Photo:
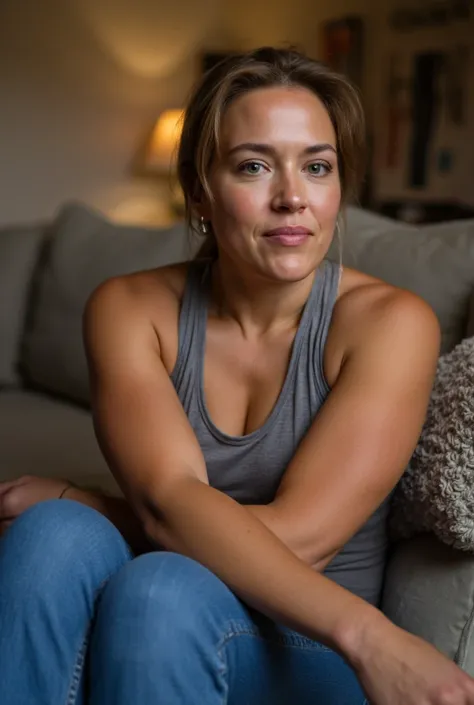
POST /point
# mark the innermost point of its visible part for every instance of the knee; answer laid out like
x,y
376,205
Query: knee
x,y
59,538
169,594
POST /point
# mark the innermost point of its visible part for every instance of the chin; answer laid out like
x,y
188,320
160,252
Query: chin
x,y
291,267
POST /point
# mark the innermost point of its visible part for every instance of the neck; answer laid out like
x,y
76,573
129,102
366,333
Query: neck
x,y
257,304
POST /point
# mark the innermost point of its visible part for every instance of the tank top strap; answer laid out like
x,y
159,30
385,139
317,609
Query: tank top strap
x,y
321,317
192,320
323,293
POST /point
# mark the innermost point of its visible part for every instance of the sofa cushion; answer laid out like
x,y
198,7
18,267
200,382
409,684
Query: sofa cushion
x,y
49,438
434,261
359,226
85,249
19,250
470,318
428,591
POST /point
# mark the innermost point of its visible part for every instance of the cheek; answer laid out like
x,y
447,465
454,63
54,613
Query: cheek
x,y
327,202
238,205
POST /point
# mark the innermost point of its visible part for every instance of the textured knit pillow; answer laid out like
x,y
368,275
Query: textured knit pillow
x,y
436,493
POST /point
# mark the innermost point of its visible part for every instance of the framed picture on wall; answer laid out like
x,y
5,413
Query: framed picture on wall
x,y
343,47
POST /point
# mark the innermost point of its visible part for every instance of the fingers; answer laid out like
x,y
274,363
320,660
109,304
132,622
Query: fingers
x,y
9,504
5,486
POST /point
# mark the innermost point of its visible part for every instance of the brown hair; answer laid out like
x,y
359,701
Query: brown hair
x,y
265,68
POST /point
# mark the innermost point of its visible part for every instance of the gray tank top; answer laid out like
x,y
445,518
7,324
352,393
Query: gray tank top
x,y
249,468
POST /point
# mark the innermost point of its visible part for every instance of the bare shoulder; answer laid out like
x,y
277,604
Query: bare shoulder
x,y
166,283
371,314
367,301
142,306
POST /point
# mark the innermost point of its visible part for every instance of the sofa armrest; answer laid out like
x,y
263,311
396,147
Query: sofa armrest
x,y
429,591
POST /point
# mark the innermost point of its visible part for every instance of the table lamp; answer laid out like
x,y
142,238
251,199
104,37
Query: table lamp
x,y
161,153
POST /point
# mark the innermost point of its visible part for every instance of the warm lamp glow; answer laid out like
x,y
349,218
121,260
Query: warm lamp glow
x,y
161,155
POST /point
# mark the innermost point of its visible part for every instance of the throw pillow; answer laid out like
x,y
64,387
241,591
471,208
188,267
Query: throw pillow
x,y
85,248
436,493
20,249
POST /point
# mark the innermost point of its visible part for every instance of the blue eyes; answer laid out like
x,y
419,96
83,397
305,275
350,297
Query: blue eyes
x,y
319,169
253,168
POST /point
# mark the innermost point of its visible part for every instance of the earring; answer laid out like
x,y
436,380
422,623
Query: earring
x,y
202,226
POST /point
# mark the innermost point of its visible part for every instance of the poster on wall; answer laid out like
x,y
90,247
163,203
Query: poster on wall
x,y
426,109
457,83
343,46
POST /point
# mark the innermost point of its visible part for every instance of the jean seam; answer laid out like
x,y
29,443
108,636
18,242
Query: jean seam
x,y
77,672
223,669
288,641
80,660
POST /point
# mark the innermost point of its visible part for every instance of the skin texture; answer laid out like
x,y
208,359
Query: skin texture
x,y
379,361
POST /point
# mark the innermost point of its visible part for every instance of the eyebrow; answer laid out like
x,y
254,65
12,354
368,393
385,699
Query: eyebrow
x,y
268,149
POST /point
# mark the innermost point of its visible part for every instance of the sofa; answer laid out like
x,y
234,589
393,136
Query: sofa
x,y
47,271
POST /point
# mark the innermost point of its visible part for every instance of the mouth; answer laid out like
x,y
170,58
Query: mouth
x,y
288,236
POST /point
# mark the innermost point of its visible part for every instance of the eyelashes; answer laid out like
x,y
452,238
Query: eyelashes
x,y
255,168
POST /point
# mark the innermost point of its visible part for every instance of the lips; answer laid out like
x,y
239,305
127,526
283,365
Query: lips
x,y
288,236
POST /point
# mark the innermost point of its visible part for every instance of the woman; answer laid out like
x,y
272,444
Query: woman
x,y
257,407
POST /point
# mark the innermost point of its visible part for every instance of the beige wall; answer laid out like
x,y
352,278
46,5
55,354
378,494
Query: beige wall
x,y
82,81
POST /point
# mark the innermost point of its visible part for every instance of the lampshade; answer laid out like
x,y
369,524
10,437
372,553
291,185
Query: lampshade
x,y
161,153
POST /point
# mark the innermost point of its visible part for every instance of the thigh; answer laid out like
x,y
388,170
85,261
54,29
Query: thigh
x,y
269,664
54,561
170,631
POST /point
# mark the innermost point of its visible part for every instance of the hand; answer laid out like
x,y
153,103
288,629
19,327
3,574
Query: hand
x,y
18,495
402,669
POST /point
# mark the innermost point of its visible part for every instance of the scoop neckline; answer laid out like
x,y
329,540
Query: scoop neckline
x,y
290,373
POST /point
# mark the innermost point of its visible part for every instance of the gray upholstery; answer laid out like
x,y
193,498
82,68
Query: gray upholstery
x,y
436,262
19,248
85,249
470,318
40,435
429,591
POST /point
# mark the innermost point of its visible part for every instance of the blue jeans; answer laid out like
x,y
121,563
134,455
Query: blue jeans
x,y
82,621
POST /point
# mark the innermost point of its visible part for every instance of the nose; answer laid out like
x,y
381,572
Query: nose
x,y
290,194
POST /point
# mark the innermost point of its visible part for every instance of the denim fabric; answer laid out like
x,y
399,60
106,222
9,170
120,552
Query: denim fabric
x,y
82,622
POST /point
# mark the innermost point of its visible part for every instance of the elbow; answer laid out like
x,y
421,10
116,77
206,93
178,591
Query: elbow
x,y
309,555
297,536
163,512
301,551
159,534
310,551
153,523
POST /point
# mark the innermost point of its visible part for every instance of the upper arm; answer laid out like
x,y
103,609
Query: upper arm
x,y
140,424
363,437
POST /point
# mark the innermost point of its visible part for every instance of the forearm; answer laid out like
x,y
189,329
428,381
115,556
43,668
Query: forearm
x,y
120,513
211,528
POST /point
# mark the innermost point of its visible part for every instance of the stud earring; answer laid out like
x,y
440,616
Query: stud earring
x,y
202,226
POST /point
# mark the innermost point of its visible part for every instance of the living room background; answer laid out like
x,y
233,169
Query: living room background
x,y
83,81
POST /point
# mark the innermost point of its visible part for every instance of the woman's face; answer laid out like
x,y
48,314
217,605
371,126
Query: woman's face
x,y
275,183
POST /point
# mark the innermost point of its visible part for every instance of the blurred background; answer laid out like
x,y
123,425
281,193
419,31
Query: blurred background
x,y
84,83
